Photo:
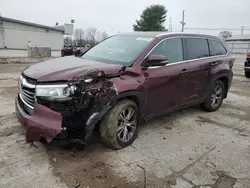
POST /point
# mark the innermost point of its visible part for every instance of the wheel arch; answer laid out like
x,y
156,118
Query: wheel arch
x,y
225,81
134,96
222,77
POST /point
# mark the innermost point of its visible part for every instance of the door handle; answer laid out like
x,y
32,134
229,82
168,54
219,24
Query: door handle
x,y
214,63
183,71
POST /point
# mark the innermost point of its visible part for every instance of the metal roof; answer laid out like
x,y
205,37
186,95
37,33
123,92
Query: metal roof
x,y
239,38
31,24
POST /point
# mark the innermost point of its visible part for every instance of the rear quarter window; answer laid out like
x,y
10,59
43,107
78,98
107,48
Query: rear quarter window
x,y
216,48
196,48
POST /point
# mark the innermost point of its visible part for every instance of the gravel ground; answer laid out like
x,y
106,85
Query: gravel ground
x,y
185,149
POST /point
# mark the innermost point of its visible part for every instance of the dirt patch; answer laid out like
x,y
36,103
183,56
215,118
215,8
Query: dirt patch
x,y
9,92
224,181
11,130
86,167
208,120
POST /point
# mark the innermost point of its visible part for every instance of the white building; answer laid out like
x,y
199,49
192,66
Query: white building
x,y
16,34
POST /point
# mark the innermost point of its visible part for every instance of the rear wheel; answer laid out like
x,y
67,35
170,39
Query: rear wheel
x,y
247,74
119,128
215,97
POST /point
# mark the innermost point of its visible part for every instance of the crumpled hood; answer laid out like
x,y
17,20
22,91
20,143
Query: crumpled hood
x,y
64,69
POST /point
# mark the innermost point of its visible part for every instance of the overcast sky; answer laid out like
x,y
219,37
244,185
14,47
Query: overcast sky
x,y
117,15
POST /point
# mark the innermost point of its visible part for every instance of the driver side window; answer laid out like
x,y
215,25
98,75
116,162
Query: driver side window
x,y
171,49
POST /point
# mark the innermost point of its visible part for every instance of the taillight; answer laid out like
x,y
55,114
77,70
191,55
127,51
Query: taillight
x,y
233,59
248,55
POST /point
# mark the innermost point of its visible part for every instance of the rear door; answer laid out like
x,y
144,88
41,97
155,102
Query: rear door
x,y
216,51
197,55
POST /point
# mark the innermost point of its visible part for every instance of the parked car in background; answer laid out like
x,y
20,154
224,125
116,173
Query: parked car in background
x,y
247,66
77,51
120,81
67,50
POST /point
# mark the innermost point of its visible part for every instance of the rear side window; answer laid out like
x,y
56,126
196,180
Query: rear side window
x,y
196,48
216,48
170,48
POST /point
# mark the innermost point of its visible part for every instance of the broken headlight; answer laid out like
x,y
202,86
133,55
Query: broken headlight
x,y
55,91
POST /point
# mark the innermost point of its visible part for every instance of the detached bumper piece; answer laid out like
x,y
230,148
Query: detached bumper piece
x,y
43,123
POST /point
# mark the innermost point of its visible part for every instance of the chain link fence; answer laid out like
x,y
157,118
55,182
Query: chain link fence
x,y
239,47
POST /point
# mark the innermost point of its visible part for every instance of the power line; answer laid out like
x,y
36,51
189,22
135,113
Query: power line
x,y
215,29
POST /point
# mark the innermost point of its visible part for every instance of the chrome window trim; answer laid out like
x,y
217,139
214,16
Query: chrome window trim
x,y
225,47
185,61
155,47
207,38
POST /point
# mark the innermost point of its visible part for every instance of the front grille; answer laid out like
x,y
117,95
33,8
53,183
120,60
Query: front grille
x,y
27,92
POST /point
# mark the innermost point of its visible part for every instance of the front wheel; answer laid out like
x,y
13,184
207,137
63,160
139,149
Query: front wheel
x,y
247,74
119,128
215,97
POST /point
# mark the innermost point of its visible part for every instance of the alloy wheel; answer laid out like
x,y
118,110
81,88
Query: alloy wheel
x,y
216,96
127,124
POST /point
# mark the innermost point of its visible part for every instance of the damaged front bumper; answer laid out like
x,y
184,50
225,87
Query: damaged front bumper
x,y
71,118
45,123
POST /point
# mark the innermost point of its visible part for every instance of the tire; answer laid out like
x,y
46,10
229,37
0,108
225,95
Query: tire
x,y
208,105
114,121
247,74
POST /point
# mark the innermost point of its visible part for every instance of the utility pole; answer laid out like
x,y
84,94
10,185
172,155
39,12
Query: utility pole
x,y
170,25
183,21
242,30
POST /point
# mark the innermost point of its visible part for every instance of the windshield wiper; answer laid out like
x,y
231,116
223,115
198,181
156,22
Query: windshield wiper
x,y
120,72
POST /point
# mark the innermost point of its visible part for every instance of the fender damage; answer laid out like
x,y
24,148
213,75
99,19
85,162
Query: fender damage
x,y
74,119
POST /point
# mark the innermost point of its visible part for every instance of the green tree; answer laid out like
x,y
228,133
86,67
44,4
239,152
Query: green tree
x,y
152,19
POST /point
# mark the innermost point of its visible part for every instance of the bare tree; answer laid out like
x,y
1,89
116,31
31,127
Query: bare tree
x,y
100,36
79,35
225,34
104,35
67,40
91,34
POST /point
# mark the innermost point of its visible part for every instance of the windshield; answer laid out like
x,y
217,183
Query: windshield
x,y
119,49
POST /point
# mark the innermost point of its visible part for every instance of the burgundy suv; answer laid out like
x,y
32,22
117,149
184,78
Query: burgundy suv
x,y
122,80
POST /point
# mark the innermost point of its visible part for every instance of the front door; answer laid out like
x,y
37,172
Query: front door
x,y
165,85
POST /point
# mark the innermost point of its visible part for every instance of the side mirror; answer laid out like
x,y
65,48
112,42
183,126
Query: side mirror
x,y
155,60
